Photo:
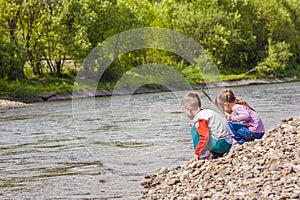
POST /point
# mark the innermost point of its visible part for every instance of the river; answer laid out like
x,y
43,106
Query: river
x,y
102,148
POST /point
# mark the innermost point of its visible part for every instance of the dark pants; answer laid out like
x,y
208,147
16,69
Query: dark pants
x,y
242,133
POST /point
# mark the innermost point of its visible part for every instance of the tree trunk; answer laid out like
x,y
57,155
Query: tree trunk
x,y
58,64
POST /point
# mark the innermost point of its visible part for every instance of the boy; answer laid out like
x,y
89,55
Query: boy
x,y
209,129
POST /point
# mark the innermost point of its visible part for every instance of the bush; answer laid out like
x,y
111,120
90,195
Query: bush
x,y
277,61
19,89
12,60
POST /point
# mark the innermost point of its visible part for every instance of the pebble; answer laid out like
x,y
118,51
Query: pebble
x,y
173,181
263,169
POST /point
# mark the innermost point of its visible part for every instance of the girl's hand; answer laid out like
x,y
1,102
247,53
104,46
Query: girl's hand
x,y
228,117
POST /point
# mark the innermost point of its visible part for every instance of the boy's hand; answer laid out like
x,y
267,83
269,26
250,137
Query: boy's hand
x,y
191,123
196,158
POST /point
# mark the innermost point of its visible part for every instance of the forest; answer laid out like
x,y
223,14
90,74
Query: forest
x,y
44,42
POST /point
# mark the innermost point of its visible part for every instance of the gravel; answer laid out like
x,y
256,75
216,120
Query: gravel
x,y
263,169
7,104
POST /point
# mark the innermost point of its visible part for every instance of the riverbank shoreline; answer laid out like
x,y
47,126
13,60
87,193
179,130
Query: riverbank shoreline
x,y
8,103
268,168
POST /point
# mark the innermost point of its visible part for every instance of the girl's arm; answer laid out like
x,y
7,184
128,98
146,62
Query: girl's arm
x,y
240,113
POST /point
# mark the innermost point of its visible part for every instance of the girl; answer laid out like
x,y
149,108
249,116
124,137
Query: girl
x,y
244,122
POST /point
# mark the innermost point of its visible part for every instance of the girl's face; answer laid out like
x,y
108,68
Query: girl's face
x,y
228,107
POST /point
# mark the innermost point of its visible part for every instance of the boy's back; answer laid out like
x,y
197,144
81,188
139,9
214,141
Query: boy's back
x,y
218,127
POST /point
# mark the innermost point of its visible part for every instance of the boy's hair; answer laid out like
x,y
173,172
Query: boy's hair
x,y
192,100
227,95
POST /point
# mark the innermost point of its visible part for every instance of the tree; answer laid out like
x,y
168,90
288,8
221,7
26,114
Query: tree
x,y
12,60
216,29
12,56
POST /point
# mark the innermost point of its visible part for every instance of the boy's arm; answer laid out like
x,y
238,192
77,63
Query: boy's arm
x,y
204,136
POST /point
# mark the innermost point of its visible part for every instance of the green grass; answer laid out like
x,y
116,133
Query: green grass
x,y
234,77
29,89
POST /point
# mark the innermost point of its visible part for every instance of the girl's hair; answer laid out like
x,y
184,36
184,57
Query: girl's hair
x,y
227,95
192,100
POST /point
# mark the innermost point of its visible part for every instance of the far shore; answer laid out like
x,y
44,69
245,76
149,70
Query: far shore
x,y
8,103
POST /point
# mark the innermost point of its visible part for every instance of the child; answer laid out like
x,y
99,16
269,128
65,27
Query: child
x,y
209,130
244,122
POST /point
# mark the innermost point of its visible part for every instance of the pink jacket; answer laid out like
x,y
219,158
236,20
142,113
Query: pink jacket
x,y
250,118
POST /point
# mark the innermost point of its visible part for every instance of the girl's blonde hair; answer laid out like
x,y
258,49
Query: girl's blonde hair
x,y
191,100
227,95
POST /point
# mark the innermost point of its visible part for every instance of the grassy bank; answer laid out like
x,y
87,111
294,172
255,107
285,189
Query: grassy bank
x,y
30,89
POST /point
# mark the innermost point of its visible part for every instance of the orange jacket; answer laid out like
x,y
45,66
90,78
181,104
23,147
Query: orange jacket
x,y
203,131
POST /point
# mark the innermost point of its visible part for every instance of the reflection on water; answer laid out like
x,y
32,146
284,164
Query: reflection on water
x,y
103,148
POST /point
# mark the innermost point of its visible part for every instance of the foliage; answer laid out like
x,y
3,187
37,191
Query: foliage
x,y
277,61
12,60
240,36
30,89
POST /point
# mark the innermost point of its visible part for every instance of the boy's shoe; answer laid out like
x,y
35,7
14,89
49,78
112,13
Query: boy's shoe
x,y
207,155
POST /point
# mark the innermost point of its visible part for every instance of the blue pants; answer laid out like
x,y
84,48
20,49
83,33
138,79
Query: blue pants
x,y
214,145
242,133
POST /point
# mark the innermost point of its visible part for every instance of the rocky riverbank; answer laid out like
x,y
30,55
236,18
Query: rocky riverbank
x,y
264,169
7,104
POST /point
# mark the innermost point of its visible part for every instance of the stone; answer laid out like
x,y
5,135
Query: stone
x,y
145,184
195,173
163,170
173,181
155,182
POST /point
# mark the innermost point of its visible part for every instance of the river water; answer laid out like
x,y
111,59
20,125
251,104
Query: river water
x,y
102,148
